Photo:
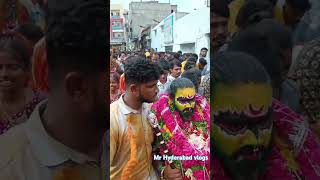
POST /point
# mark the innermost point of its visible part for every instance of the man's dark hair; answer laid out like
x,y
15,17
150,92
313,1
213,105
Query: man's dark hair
x,y
115,76
175,62
176,55
253,11
31,31
260,46
139,70
179,83
189,65
179,52
203,61
192,59
16,49
77,37
280,34
220,8
302,5
237,67
204,49
123,52
164,65
193,75
195,56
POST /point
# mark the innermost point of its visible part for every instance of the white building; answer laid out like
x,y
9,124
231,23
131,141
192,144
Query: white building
x,y
189,33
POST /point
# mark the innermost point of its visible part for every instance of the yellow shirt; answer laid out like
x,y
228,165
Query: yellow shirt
x,y
234,9
120,143
182,65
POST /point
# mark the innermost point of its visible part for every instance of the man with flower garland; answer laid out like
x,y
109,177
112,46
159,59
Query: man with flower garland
x,y
255,137
181,124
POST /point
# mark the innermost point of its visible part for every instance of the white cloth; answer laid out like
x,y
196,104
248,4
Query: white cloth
x,y
163,88
171,78
29,152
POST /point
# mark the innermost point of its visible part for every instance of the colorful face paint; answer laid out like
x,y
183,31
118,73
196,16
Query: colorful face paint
x,y
242,125
184,101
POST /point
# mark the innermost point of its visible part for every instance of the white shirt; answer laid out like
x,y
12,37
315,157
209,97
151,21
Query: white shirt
x,y
163,88
28,152
170,78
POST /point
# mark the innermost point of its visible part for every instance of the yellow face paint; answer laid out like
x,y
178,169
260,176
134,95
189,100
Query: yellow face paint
x,y
252,101
229,144
184,98
238,97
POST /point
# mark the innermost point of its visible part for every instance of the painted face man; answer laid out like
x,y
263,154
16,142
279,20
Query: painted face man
x,y
183,93
242,126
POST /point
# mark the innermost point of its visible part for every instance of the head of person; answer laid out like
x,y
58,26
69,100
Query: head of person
x,y
77,69
14,65
179,52
189,64
194,56
194,75
155,57
281,36
183,93
253,11
123,56
257,44
219,24
242,124
202,63
176,55
294,10
203,52
175,68
164,70
114,81
141,78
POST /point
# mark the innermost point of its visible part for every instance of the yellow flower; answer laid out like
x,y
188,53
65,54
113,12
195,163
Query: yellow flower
x,y
167,130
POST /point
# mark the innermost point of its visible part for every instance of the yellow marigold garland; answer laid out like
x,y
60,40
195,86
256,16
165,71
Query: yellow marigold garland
x,y
133,161
287,154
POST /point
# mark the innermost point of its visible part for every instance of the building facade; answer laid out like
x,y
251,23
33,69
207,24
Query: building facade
x,y
142,16
188,33
117,27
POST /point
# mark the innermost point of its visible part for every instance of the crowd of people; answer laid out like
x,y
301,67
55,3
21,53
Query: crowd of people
x,y
159,106
265,90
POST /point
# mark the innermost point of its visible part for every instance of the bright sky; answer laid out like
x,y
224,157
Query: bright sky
x,y
183,5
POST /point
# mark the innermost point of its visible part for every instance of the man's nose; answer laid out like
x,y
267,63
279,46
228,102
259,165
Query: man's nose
x,y
3,71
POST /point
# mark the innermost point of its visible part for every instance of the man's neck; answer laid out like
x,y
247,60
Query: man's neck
x,y
62,126
132,102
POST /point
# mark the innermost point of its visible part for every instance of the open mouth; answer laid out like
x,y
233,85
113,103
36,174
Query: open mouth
x,y
187,110
6,84
249,153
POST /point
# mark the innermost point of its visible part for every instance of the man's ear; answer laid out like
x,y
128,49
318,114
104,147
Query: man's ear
x,y
76,86
134,89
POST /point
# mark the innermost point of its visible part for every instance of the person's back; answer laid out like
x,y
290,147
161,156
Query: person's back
x,y
40,149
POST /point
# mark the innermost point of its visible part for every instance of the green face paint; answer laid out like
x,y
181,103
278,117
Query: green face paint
x,y
184,102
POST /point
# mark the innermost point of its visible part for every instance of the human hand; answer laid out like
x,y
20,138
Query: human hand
x,y
172,174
